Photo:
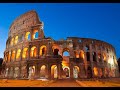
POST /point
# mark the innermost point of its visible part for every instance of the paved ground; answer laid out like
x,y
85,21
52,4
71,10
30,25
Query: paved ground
x,y
64,83
60,83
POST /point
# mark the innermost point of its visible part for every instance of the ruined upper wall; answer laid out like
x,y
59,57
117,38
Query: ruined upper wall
x,y
24,21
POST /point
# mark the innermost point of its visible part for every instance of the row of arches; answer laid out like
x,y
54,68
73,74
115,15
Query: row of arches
x,y
65,73
27,36
33,53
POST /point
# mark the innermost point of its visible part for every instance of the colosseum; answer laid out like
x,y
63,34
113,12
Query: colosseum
x,y
29,53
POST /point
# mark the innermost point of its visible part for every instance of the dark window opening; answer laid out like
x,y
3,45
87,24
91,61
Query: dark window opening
x,y
56,51
43,51
89,72
94,56
88,56
87,48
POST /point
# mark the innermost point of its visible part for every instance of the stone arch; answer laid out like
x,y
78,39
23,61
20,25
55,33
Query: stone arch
x,y
43,50
18,53
99,57
77,54
33,52
56,51
16,72
54,72
55,46
16,40
95,69
43,71
87,48
13,55
31,72
82,55
89,72
88,56
104,57
25,53
94,56
66,72
76,71
66,51
27,36
12,41
9,55
35,34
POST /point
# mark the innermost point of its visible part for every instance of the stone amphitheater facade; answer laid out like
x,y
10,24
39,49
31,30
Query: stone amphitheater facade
x,y
29,53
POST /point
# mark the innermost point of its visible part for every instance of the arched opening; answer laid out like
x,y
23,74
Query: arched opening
x,y
21,38
11,73
6,72
43,71
31,72
104,57
33,52
35,34
106,71
18,54
101,73
66,72
77,54
16,73
87,48
43,50
25,53
54,73
13,55
89,72
12,42
82,55
88,56
95,71
76,71
27,36
9,54
66,53
16,39
99,57
94,56
56,51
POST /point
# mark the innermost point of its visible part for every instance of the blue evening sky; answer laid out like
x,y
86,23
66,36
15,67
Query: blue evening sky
x,y
89,20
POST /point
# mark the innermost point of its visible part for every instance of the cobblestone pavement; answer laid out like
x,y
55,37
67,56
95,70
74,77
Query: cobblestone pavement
x,y
64,83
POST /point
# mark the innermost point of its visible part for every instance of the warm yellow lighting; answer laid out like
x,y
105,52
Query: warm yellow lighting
x,y
77,55
9,56
104,57
13,55
33,52
18,53
42,71
26,35
64,63
34,32
110,61
12,41
95,71
43,67
99,55
16,39
42,50
77,68
54,71
25,52
82,54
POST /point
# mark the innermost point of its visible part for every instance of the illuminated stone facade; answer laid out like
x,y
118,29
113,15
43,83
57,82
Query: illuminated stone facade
x,y
30,54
